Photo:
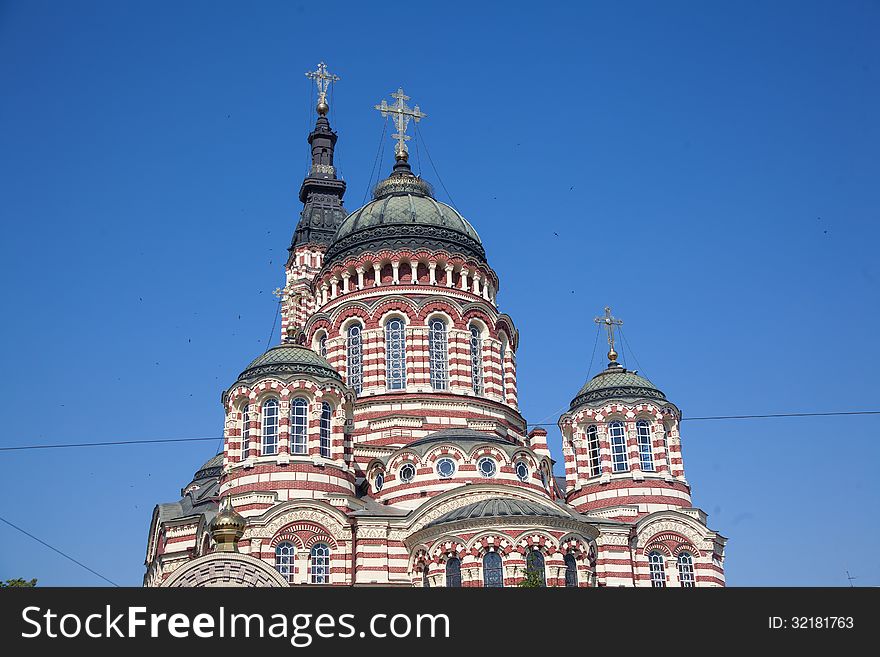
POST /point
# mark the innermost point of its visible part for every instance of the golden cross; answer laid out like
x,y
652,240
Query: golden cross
x,y
609,323
401,113
322,78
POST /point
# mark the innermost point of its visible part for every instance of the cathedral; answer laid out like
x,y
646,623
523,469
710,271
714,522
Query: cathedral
x,y
381,443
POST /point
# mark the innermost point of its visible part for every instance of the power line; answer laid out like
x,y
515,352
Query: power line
x,y
754,417
437,173
66,556
111,442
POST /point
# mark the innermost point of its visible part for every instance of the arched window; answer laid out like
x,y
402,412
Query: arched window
x,y
535,564
322,345
476,360
618,447
284,560
246,430
325,430
379,481
658,573
571,570
355,367
503,355
686,569
395,354
426,583
493,573
270,427
646,450
438,348
299,423
593,454
453,573
319,564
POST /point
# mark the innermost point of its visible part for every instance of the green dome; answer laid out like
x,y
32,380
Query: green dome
x,y
616,382
404,215
499,507
288,359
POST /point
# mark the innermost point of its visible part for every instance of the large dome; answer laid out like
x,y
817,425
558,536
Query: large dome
x,y
404,214
616,382
286,359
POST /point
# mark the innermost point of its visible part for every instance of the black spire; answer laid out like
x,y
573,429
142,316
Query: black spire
x,y
321,191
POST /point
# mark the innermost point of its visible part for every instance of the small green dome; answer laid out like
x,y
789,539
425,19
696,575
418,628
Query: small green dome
x,y
499,507
616,382
288,359
404,215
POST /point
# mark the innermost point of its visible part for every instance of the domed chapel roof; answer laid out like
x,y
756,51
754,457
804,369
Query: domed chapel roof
x,y
616,382
286,359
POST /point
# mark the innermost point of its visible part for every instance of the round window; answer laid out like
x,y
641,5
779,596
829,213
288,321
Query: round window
x,y
486,466
407,472
522,471
380,481
446,467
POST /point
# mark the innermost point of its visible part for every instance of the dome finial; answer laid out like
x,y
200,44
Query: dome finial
x,y
609,323
227,527
401,114
322,78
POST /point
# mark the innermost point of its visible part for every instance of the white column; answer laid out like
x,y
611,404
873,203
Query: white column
x,y
334,287
345,276
414,272
432,272
360,273
449,269
377,275
464,276
477,283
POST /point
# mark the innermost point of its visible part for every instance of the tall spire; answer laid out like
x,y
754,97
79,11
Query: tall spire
x,y
321,191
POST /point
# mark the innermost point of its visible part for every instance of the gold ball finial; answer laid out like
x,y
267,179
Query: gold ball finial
x,y
227,527
323,108
402,155
612,355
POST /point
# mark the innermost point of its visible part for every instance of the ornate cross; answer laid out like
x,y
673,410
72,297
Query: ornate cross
x,y
401,113
609,323
322,78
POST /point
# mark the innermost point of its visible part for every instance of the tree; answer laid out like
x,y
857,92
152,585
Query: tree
x,y
532,579
18,582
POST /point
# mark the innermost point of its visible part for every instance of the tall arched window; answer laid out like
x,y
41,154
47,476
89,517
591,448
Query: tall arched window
x,y
355,367
299,423
666,445
395,354
453,573
493,573
426,583
270,427
658,573
284,560
646,450
503,356
686,569
326,413
535,564
571,570
319,564
246,430
322,345
618,447
593,454
476,360
438,348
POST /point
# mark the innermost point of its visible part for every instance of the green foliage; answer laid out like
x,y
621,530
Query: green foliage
x,y
532,580
18,582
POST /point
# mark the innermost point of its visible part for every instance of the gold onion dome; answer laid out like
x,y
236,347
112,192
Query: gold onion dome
x,y
227,527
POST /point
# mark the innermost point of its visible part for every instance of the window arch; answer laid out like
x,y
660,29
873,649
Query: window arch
x,y
571,570
322,345
246,430
658,572
453,573
535,564
284,560
686,569
395,354
270,427
355,352
324,446
646,450
438,349
618,447
319,564
299,423
426,583
493,571
476,360
593,453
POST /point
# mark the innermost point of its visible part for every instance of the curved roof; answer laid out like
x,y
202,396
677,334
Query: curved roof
x,y
499,507
286,359
404,214
616,382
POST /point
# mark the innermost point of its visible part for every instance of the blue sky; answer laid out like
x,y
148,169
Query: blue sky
x,y
707,169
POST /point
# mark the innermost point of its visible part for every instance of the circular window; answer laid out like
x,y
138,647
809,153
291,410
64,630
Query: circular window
x,y
522,471
486,466
407,472
380,481
446,467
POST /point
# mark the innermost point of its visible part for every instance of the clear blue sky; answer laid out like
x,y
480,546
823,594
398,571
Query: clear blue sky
x,y
708,169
